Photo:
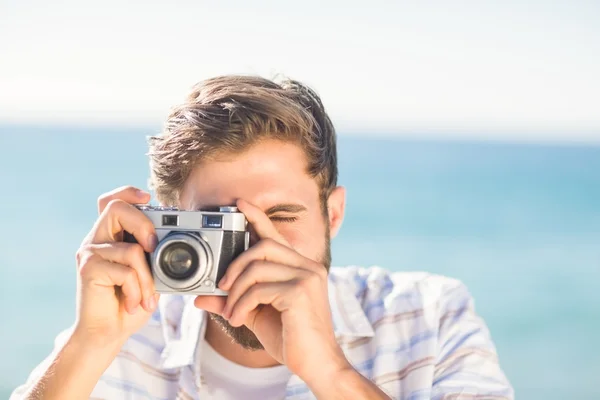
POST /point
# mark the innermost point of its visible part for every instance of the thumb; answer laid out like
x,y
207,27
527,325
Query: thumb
x,y
212,304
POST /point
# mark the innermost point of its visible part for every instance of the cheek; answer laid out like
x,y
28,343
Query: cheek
x,y
304,237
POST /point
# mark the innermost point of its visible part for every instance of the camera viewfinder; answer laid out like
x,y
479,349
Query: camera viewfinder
x,y
212,221
170,220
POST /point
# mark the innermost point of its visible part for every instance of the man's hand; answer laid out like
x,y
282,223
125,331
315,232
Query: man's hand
x,y
113,281
294,322
113,277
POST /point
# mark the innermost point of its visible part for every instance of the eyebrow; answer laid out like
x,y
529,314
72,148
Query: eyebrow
x,y
287,208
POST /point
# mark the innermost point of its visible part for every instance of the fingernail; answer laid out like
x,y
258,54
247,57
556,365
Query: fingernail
x,y
152,242
141,194
222,282
134,309
151,302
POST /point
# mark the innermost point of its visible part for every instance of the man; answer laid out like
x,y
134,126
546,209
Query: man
x,y
290,327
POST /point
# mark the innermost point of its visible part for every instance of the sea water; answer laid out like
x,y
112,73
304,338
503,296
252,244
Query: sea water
x,y
518,223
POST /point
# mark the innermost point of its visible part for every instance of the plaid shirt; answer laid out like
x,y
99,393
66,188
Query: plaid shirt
x,y
415,335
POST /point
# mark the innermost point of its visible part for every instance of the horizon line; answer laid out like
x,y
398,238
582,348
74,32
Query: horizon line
x,y
579,137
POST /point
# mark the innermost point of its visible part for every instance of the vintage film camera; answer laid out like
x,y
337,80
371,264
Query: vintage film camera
x,y
194,247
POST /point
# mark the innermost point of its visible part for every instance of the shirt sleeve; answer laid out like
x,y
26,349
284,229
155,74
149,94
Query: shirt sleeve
x,y
467,366
21,391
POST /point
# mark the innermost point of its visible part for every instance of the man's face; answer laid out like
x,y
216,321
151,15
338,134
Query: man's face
x,y
272,176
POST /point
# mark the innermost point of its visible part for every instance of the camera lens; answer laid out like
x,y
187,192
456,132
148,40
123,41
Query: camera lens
x,y
179,260
182,261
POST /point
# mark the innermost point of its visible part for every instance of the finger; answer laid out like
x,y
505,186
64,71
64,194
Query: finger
x,y
266,250
109,274
213,304
128,194
261,293
131,255
120,216
261,223
259,272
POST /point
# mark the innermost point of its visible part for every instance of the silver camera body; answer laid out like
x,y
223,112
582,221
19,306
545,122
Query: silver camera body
x,y
194,247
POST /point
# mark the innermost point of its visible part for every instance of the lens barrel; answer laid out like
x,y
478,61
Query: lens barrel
x,y
179,260
182,261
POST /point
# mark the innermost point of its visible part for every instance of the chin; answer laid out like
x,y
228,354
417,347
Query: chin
x,y
240,335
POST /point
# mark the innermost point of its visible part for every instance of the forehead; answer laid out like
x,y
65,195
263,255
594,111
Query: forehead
x,y
268,173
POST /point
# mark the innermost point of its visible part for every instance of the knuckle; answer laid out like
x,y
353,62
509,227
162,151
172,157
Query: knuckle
x,y
272,242
126,188
266,243
103,200
143,223
147,225
134,252
113,205
314,277
309,282
130,276
321,272
301,290
79,255
131,291
263,243
83,254
86,268
253,267
107,197
254,293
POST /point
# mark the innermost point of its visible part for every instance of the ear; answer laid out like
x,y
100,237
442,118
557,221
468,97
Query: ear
x,y
336,204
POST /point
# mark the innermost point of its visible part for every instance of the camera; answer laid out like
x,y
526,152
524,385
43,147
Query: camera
x,y
194,247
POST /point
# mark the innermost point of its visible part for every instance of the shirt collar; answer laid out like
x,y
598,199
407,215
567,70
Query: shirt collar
x,y
183,324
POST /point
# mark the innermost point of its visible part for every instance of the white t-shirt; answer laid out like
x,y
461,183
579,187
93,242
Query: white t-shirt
x,y
226,380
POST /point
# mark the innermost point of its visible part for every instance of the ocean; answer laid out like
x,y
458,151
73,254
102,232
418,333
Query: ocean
x,y
518,223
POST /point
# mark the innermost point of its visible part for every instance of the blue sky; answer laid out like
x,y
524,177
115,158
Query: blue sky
x,y
527,70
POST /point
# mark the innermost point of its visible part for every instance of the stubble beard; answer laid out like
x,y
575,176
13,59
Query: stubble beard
x,y
244,336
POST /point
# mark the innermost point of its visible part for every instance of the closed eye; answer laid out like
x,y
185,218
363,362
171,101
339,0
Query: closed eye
x,y
283,219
